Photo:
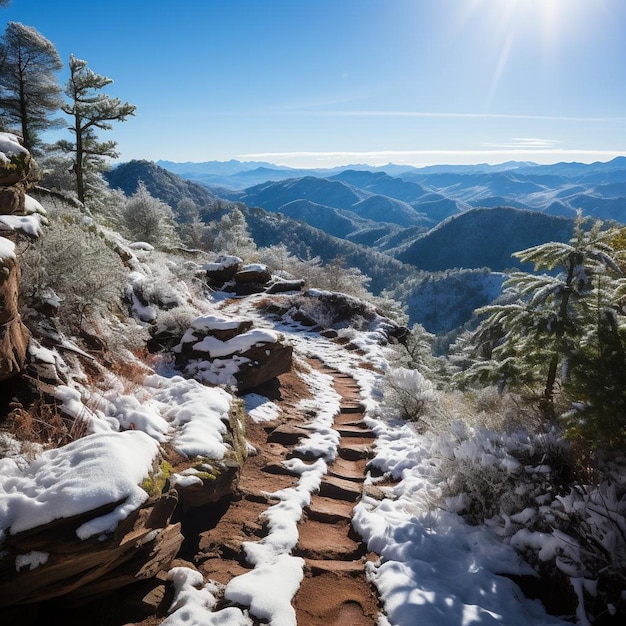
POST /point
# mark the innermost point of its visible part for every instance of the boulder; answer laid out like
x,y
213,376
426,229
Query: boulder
x,y
14,336
222,270
217,350
245,289
265,363
333,310
280,285
255,273
221,328
15,220
85,569
15,167
208,487
101,542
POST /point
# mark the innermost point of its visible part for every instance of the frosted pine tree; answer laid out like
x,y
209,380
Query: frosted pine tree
x,y
29,91
90,111
529,341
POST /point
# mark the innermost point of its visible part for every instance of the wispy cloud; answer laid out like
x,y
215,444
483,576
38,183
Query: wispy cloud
x,y
525,143
423,157
449,115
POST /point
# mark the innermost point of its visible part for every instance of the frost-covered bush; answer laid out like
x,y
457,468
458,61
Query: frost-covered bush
x,y
176,320
524,487
72,267
281,262
146,218
488,473
581,536
166,280
406,392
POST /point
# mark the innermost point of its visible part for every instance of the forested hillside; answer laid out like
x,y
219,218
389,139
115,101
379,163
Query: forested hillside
x,y
484,238
383,271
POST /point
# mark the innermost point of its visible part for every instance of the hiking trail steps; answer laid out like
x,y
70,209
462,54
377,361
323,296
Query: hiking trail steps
x,y
334,590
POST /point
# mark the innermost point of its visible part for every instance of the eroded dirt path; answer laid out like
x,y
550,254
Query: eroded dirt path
x,y
335,589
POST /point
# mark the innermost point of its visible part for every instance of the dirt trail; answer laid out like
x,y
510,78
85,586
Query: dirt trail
x,y
334,590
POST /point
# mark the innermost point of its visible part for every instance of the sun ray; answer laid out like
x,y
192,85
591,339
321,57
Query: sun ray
x,y
510,27
503,59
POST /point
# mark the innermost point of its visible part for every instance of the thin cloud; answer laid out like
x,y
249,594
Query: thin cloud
x,y
432,114
419,153
523,143
419,158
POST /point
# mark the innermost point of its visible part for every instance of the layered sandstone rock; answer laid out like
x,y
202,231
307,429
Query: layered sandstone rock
x,y
20,216
219,350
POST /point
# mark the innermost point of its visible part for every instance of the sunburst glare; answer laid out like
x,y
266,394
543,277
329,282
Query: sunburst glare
x,y
522,27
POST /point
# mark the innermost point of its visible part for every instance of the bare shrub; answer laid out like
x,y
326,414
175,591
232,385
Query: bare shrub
x,y
406,392
73,262
483,408
502,473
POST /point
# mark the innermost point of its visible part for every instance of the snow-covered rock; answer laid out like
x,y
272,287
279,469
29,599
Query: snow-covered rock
x,y
19,217
218,350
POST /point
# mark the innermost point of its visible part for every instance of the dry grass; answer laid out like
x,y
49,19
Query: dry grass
x,y
486,408
43,422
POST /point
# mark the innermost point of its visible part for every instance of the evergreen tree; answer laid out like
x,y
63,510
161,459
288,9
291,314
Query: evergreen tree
x,y
232,235
146,218
29,91
532,340
90,111
596,384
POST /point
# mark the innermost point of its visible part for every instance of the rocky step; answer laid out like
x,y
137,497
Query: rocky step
x,y
329,510
351,603
319,566
358,465
337,542
287,434
256,492
339,489
222,570
354,476
350,419
279,469
351,430
354,451
352,407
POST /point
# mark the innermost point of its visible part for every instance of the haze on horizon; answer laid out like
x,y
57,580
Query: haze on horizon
x,y
325,83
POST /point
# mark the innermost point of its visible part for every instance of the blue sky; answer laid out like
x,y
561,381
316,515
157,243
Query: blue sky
x,y
326,82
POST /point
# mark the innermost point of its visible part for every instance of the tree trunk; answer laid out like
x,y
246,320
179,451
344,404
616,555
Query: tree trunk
x,y
575,259
78,165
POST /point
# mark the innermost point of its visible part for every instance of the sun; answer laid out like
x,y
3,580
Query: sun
x,y
524,27
550,18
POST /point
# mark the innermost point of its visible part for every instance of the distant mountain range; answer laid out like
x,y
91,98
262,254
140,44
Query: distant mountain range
x,y
408,196
241,174
399,228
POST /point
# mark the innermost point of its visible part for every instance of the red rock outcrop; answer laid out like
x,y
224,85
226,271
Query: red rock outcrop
x,y
217,350
15,178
